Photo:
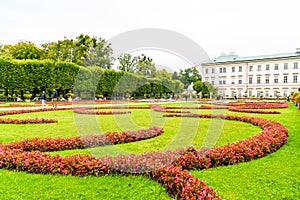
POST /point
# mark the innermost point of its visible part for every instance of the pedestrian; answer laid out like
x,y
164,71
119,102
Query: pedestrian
x,y
43,98
54,98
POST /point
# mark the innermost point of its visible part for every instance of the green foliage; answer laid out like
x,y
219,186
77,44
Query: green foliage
x,y
145,66
27,95
190,75
205,88
127,62
85,50
37,75
141,65
22,51
163,73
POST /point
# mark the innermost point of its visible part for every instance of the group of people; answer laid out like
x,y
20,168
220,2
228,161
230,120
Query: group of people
x,y
54,98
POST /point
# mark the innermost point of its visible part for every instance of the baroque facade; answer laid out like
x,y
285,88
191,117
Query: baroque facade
x,y
266,76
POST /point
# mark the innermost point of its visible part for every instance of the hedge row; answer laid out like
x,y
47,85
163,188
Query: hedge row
x,y
36,75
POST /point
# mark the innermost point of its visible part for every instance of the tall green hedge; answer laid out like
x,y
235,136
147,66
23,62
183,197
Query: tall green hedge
x,y
20,76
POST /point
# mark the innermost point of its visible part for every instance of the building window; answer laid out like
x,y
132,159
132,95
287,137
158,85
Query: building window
x,y
286,66
285,78
212,82
258,67
250,93
276,67
257,93
267,79
275,93
206,71
250,80
221,70
233,69
224,81
240,68
232,81
224,70
258,79
239,93
266,93
276,79
232,93
213,70
268,67
250,68
295,65
240,81
295,77
220,82
285,93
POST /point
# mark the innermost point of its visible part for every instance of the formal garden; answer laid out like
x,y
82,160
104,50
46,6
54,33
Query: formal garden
x,y
140,150
135,132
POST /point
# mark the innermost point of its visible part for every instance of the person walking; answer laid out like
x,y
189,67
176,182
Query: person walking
x,y
54,98
43,98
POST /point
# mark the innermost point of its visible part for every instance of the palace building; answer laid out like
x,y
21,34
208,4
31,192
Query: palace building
x,y
274,75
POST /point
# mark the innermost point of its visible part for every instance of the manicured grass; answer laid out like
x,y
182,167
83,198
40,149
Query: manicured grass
x,y
276,176
273,177
20,185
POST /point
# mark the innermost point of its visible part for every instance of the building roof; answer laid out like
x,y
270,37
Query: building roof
x,y
235,58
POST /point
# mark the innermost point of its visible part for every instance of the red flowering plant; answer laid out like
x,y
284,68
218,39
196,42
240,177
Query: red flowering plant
x,y
28,120
80,142
168,168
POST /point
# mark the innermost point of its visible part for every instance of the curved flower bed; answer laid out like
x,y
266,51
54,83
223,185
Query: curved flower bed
x,y
122,107
81,142
252,107
160,108
273,136
234,109
265,105
167,109
59,103
21,105
88,111
16,112
28,120
173,174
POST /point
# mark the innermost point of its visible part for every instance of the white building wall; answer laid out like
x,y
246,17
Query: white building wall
x,y
236,82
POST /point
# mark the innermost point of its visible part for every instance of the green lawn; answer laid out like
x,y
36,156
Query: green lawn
x,y
276,176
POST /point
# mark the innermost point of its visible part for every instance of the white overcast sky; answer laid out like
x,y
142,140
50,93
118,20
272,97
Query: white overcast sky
x,y
247,28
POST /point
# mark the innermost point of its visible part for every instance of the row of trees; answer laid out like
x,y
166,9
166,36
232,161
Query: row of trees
x,y
89,51
84,50
18,77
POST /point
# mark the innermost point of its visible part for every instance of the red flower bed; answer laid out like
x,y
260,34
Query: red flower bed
x,y
180,184
115,101
87,111
167,109
273,136
253,111
168,168
266,105
60,103
15,112
27,121
172,109
21,105
80,142
213,107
